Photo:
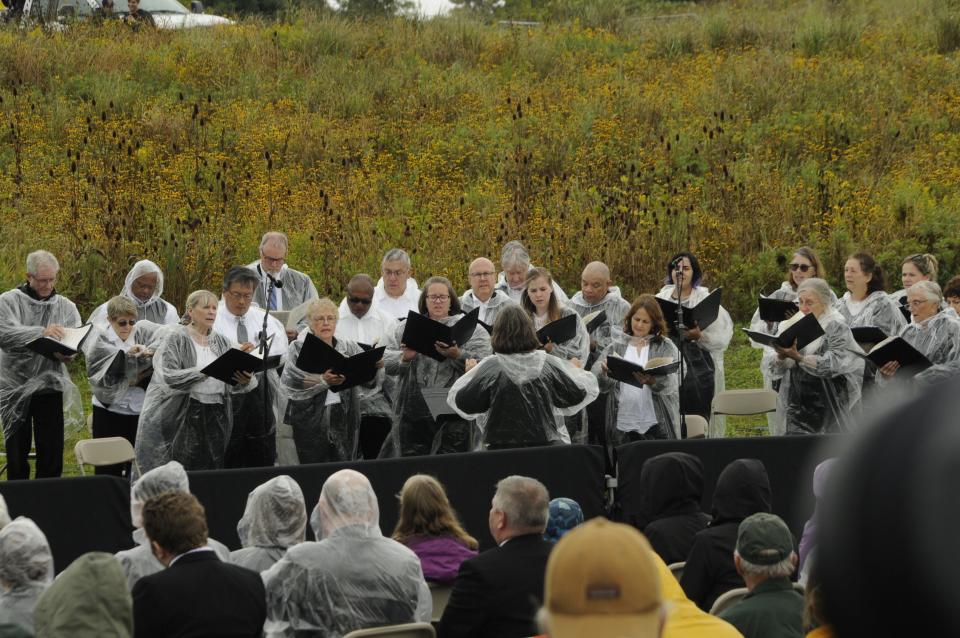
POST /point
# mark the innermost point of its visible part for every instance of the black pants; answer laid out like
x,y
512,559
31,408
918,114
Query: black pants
x,y
44,421
107,423
253,440
373,431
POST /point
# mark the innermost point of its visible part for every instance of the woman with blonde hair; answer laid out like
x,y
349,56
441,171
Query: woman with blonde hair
x,y
429,527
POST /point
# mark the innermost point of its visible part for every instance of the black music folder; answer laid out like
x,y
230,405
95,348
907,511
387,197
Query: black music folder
x,y
316,357
420,332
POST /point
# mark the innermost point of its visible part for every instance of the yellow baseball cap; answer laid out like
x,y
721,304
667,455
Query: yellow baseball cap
x,y
602,580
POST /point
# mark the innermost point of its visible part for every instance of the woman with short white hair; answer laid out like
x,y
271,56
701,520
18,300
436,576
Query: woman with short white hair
x,y
821,382
932,332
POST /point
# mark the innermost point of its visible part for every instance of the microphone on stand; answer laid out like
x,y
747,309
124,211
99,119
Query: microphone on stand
x,y
276,282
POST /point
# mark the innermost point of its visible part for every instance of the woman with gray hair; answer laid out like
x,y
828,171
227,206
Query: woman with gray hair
x,y
515,261
26,570
820,383
932,332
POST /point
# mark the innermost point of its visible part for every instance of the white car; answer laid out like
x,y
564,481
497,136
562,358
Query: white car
x,y
167,14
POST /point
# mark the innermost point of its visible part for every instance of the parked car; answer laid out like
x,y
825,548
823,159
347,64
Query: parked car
x,y
167,14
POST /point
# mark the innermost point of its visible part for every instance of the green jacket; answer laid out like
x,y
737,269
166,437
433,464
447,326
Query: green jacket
x,y
90,599
774,609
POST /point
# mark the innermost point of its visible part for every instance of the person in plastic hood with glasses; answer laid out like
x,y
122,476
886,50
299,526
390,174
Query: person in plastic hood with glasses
x,y
26,570
143,286
139,561
352,577
274,520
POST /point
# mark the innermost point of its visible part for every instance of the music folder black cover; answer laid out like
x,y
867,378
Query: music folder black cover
x,y
804,330
776,310
896,349
420,332
622,370
595,320
701,315
316,357
236,360
868,334
73,339
559,331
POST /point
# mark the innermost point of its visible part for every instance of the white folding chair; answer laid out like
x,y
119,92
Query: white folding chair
x,y
745,402
106,451
696,426
677,569
728,600
441,596
411,630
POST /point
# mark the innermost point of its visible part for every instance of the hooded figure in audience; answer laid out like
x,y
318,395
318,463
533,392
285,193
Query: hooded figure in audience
x,y
26,570
671,486
139,561
519,392
808,541
743,488
565,514
352,577
274,520
143,286
89,599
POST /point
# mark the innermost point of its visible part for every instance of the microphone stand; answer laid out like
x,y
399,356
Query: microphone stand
x,y
680,328
270,284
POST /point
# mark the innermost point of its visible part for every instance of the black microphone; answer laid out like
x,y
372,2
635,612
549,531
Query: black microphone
x,y
675,264
276,282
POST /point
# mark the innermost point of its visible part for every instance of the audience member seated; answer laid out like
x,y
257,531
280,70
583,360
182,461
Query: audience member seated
x,y
498,592
89,599
742,489
602,580
428,525
139,561
764,557
26,570
808,541
274,520
564,515
197,594
815,623
671,486
353,577
684,619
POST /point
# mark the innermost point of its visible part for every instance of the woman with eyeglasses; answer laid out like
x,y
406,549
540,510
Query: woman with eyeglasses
x,y
914,268
935,333
702,349
119,364
415,432
804,264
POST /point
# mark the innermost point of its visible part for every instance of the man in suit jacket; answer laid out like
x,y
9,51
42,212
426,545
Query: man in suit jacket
x,y
498,592
197,595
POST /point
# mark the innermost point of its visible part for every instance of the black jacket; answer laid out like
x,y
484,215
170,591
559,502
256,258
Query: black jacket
x,y
671,486
199,595
498,592
743,488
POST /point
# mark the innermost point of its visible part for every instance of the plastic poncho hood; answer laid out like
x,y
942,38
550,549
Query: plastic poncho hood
x,y
670,484
25,557
275,516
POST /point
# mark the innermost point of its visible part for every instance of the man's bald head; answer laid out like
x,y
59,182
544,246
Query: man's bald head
x,y
595,282
482,277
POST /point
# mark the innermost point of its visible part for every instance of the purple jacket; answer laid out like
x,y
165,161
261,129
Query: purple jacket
x,y
440,556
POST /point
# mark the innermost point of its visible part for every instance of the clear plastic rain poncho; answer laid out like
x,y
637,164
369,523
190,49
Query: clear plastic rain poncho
x,y
297,288
353,578
488,311
153,309
275,518
414,431
177,423
114,374
616,308
665,389
816,396
26,570
523,398
877,311
326,425
24,373
938,339
575,424
785,292
713,341
140,561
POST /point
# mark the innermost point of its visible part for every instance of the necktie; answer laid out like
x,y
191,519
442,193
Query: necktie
x,y
241,331
272,303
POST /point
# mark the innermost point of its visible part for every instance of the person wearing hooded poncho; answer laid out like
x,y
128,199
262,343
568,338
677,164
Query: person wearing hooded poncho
x,y
804,264
143,286
935,333
139,561
26,570
671,487
742,489
598,294
187,415
352,577
326,424
119,363
274,520
702,350
37,398
653,411
521,392
415,432
89,599
819,384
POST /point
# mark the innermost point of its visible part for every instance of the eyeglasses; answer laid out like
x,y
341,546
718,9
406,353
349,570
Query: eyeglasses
x,y
123,323
800,267
324,318
366,301
241,296
478,275
438,298
394,273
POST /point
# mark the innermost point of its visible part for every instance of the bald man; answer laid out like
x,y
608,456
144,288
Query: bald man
x,y
297,286
483,293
